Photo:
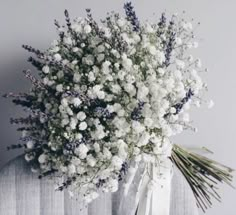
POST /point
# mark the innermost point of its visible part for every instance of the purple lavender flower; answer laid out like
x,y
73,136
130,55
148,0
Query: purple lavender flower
x,y
131,16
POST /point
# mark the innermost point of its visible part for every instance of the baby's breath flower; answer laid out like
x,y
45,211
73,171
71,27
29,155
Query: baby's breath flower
x,y
108,94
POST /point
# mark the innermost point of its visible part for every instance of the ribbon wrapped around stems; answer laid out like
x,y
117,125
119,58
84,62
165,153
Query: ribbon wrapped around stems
x,y
148,189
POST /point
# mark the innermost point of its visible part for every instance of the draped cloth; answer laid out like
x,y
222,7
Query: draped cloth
x,y
150,190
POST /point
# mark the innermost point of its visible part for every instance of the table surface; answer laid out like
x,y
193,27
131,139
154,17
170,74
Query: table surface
x,y
22,193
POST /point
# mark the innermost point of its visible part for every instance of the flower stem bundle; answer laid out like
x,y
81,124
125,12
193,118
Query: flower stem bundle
x,y
202,174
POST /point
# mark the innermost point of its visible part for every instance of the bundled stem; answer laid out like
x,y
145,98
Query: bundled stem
x,y
202,174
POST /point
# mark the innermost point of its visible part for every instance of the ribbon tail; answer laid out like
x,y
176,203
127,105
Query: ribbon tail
x,y
143,198
130,177
148,190
161,195
130,192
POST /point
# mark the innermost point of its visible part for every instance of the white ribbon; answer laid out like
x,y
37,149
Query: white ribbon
x,y
161,193
152,193
155,198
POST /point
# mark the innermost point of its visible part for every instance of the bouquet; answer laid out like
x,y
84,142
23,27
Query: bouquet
x,y
108,97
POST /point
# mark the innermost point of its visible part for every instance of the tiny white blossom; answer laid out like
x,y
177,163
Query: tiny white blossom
x,y
65,121
81,170
68,40
116,162
82,151
29,157
57,57
121,22
148,122
77,102
178,41
152,50
82,126
42,158
106,153
187,26
87,29
113,185
30,144
60,74
190,58
142,92
77,28
96,147
180,64
64,102
161,71
160,56
138,127
101,94
100,57
71,169
78,136
91,160
107,32
91,77
59,88
210,104
101,48
144,139
46,69
81,116
89,59
73,123
76,78
75,49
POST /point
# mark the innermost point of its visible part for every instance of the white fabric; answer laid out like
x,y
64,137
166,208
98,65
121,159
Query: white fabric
x,y
155,191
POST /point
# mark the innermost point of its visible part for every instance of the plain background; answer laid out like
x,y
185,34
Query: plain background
x,y
31,22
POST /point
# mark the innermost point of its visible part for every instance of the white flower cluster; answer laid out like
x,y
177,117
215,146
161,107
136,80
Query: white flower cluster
x,y
112,93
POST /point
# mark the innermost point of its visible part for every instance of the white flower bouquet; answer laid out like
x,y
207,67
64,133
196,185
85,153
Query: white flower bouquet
x,y
110,94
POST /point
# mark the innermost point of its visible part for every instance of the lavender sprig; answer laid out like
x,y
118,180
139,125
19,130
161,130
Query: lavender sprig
x,y
61,33
68,22
162,22
38,53
136,114
16,146
21,120
170,43
131,16
123,171
35,82
161,25
48,59
178,106
14,95
66,183
39,65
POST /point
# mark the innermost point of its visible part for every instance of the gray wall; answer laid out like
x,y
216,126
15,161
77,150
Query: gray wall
x,y
31,22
